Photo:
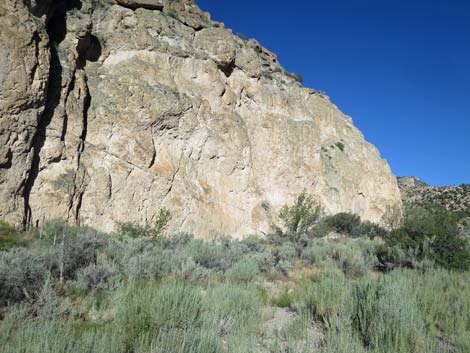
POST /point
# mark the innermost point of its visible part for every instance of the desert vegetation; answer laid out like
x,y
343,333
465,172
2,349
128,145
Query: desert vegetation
x,y
454,198
316,284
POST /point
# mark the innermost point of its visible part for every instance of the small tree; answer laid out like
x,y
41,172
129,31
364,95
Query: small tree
x,y
300,217
161,222
299,220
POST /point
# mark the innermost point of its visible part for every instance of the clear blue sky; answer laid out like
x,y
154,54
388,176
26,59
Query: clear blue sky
x,y
400,68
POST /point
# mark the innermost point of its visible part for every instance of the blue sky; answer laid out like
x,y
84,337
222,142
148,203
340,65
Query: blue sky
x,y
400,68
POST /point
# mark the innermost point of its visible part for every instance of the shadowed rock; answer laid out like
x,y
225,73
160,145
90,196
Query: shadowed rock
x,y
146,4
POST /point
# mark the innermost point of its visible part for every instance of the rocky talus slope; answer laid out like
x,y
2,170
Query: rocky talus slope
x,y
454,198
112,109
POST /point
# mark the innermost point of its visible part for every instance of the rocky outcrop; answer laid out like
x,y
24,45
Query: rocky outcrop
x,y
454,198
24,77
113,109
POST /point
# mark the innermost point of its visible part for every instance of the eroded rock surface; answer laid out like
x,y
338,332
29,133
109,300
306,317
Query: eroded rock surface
x,y
453,197
113,109
24,72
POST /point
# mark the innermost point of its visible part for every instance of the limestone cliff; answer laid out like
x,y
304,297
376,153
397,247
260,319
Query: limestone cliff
x,y
112,109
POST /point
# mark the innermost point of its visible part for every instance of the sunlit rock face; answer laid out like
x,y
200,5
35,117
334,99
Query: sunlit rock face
x,y
111,110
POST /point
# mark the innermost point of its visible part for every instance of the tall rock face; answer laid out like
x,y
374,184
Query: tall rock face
x,y
24,74
113,109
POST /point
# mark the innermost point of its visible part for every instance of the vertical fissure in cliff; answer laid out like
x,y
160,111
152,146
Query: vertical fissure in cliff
x,y
80,174
56,30
88,49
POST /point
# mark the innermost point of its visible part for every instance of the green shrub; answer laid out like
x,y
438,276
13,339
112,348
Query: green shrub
x,y
371,230
76,247
387,314
252,243
351,260
394,256
135,258
169,295
9,236
263,259
284,256
342,340
207,254
55,336
316,252
451,252
176,241
23,272
243,271
346,223
443,299
354,257
234,309
161,222
150,307
134,304
282,300
429,221
186,341
94,276
320,230
325,300
429,233
193,273
143,266
132,230
177,305
233,250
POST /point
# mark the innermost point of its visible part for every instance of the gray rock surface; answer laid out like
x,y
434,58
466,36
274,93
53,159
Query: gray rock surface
x,y
113,109
24,72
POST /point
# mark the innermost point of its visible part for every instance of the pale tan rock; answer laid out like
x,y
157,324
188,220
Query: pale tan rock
x,y
162,110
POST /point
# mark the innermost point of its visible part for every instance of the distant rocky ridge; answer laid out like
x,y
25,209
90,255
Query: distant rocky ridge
x,y
453,198
113,109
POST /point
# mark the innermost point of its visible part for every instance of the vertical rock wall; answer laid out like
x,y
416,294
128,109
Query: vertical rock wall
x,y
111,110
